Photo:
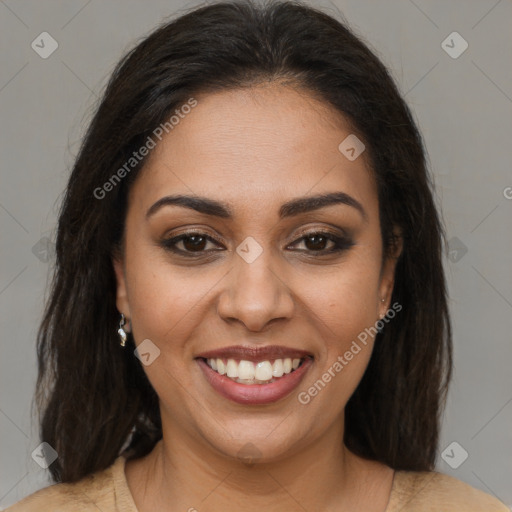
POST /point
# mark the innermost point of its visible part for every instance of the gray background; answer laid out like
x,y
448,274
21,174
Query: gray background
x,y
463,107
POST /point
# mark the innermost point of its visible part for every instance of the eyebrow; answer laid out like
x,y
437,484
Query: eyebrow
x,y
291,208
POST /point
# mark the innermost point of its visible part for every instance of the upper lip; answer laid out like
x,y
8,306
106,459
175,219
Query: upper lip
x,y
255,354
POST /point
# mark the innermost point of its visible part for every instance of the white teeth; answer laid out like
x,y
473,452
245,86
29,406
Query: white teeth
x,y
247,372
277,368
232,369
263,370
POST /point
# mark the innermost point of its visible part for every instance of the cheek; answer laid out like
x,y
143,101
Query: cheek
x,y
346,302
344,308
344,314
165,305
168,302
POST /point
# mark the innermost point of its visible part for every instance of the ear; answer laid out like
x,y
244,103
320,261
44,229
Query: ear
x,y
387,279
121,294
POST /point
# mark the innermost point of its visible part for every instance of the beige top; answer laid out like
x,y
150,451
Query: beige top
x,y
108,491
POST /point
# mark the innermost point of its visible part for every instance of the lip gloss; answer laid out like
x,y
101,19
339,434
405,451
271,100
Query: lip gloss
x,y
254,394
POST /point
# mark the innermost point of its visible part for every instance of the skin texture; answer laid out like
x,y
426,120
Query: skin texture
x,y
254,149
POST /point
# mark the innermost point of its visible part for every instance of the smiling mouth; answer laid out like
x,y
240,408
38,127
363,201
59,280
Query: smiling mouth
x,y
254,372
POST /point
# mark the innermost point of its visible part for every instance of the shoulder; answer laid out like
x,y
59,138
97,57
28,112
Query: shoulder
x,y
429,491
92,493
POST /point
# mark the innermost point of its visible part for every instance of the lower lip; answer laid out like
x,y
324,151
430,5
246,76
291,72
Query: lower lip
x,y
255,394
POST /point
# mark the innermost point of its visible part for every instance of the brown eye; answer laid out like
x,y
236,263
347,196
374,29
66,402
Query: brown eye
x,y
194,242
318,241
190,243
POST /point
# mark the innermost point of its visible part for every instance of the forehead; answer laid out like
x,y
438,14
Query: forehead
x,y
253,147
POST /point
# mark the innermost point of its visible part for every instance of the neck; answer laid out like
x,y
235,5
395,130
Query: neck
x,y
182,474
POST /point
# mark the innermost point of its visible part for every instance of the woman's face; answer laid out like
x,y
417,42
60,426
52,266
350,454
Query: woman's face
x,y
257,279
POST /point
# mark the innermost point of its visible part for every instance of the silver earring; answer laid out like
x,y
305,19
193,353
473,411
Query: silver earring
x,y
121,331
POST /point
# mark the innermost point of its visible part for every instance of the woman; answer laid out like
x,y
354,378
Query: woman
x,y
249,307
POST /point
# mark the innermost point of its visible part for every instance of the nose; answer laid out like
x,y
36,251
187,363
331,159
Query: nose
x,y
255,293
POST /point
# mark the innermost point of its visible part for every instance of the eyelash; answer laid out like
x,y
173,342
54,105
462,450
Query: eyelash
x,y
340,243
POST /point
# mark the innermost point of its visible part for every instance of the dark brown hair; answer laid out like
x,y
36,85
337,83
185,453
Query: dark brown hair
x,y
93,395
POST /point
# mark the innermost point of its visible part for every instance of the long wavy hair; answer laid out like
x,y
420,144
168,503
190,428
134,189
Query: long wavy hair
x,y
93,397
